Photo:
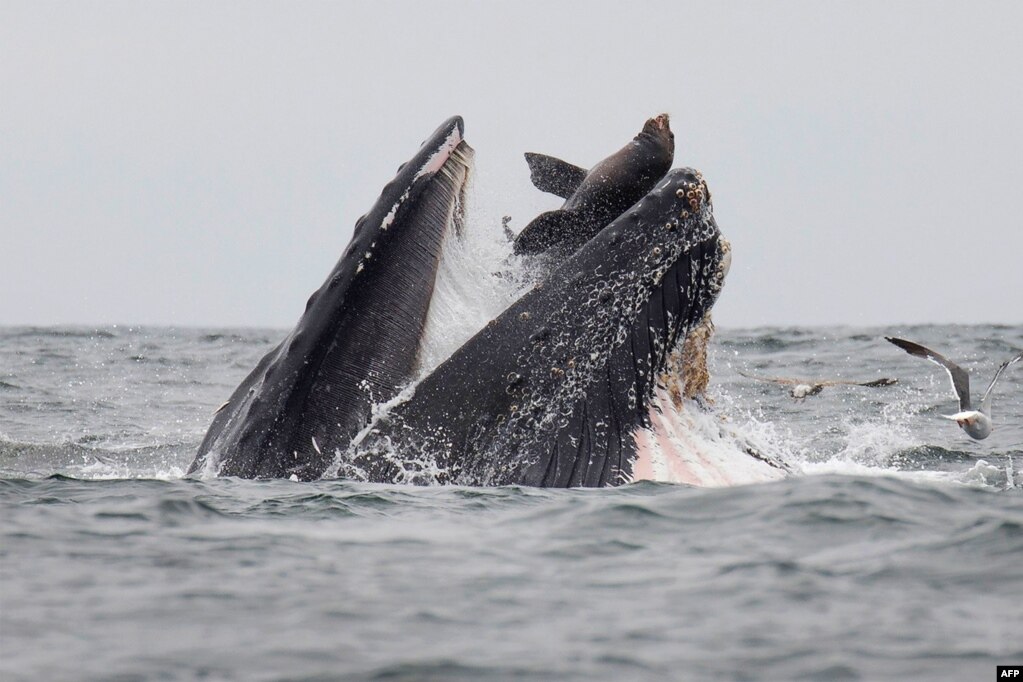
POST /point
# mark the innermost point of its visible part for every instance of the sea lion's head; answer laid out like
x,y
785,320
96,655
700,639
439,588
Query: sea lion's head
x,y
659,129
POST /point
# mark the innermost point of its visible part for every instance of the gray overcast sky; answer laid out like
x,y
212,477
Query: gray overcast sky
x,y
204,163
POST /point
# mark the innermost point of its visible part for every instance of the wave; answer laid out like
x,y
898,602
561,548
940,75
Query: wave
x,y
80,460
59,332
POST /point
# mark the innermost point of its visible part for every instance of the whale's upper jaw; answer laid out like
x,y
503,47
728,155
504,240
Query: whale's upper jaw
x,y
358,341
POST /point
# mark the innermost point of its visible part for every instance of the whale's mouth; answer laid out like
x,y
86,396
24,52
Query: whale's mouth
x,y
451,183
445,175
440,157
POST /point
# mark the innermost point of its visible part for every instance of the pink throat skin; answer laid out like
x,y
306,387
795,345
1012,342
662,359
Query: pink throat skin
x,y
677,450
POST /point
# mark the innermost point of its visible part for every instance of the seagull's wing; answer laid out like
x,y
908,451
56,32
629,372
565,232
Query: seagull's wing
x,y
960,379
776,380
985,402
884,381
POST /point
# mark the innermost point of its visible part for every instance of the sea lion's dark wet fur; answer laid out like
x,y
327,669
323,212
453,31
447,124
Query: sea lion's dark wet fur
x,y
596,197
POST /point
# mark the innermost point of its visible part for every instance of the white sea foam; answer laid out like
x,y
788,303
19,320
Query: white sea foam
x,y
698,447
107,470
342,461
859,442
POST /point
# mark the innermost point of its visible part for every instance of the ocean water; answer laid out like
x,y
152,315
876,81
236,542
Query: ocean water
x,y
895,550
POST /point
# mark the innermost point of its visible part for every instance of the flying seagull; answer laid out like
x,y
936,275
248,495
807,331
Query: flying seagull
x,y
802,388
976,423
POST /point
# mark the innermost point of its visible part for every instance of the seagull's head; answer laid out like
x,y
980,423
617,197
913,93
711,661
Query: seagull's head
x,y
800,391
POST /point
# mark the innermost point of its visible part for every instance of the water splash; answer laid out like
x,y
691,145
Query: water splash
x,y
855,432
477,279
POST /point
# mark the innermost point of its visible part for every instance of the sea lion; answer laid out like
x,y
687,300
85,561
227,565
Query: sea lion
x,y
594,198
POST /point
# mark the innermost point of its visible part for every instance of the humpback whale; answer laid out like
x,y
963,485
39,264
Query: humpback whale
x,y
358,341
596,197
572,385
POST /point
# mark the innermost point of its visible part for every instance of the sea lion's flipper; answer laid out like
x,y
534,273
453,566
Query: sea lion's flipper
x,y
553,175
550,229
